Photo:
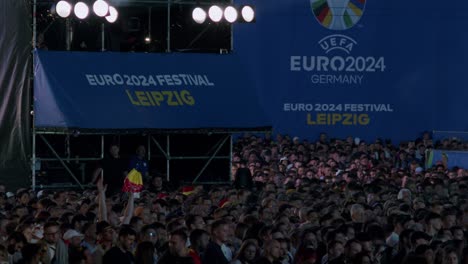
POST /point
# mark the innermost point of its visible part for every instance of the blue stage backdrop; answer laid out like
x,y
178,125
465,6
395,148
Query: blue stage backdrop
x,y
108,91
365,68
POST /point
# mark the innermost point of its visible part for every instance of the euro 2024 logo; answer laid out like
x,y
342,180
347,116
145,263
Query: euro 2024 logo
x,y
338,14
336,68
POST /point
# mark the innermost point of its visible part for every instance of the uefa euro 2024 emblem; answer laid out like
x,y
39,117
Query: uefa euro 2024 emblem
x,y
338,14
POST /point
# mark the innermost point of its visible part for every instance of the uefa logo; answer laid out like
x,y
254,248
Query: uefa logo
x,y
338,14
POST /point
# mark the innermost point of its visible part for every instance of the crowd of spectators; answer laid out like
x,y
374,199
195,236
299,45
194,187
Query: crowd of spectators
x,y
291,201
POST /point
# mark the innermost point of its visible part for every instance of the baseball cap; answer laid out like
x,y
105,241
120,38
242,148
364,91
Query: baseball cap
x,y
9,194
71,234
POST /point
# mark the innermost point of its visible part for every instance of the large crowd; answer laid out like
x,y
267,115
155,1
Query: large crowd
x,y
291,201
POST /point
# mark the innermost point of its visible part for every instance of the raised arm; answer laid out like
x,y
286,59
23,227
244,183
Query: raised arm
x,y
102,215
129,209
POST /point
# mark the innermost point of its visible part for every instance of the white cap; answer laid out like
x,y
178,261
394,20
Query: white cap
x,y
71,234
9,194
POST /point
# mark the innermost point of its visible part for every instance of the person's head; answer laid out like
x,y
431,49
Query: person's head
x,y
419,238
26,229
157,182
177,242
199,239
20,210
399,223
148,233
145,253
144,213
437,207
220,231
15,242
266,214
52,232
433,222
404,195
114,150
83,207
366,241
458,233
161,233
450,256
362,258
105,231
60,197
248,251
141,151
73,237
78,221
449,218
285,245
357,213
136,223
89,231
335,249
175,224
272,249
194,222
23,198
352,248
309,238
127,238
265,233
160,206
426,252
419,203
277,233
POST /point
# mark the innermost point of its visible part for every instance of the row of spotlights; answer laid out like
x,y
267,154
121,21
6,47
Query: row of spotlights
x,y
216,14
101,8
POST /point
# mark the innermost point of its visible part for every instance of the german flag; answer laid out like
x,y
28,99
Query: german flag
x,y
187,190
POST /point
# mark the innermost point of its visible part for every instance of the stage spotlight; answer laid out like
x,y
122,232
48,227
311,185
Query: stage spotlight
x,y
147,40
215,13
248,14
199,15
230,14
81,10
63,9
101,8
113,15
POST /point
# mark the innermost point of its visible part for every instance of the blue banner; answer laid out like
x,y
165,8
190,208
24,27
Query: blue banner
x,y
450,135
364,68
144,91
454,158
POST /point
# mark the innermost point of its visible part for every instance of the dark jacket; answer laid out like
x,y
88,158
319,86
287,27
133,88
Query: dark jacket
x,y
214,255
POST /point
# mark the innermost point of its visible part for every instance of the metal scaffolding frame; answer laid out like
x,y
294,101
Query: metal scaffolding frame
x,y
217,147
151,142
63,160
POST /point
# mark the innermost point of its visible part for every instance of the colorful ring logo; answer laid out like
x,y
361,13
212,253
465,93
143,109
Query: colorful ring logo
x,y
338,14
